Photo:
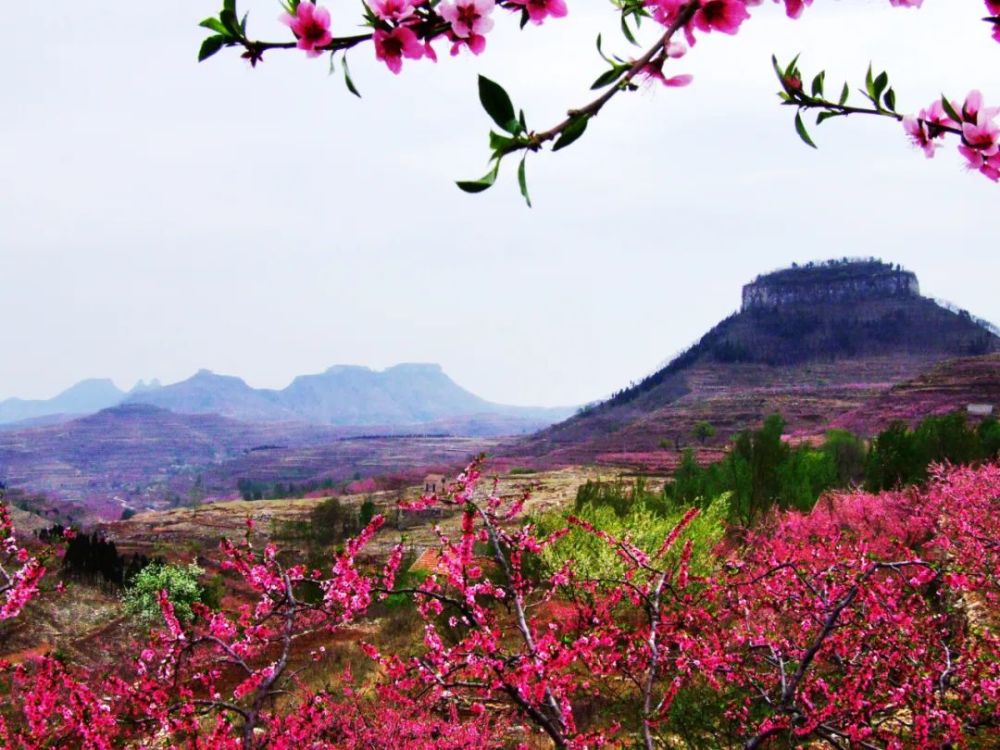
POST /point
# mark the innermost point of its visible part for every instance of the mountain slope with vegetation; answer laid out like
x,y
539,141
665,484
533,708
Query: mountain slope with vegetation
x,y
809,342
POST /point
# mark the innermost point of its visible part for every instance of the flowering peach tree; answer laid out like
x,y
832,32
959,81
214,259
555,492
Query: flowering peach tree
x,y
20,571
408,30
869,623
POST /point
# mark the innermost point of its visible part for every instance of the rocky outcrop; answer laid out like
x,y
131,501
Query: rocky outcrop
x,y
834,281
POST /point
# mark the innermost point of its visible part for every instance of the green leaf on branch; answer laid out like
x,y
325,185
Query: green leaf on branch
x,y
501,144
890,100
777,68
878,87
826,115
210,46
214,24
573,131
607,77
483,183
498,105
231,22
601,51
950,110
791,67
522,181
348,81
845,94
817,84
627,32
800,128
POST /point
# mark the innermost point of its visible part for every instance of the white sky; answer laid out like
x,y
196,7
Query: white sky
x,y
158,216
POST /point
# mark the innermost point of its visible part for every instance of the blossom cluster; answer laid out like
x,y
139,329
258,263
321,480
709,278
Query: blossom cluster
x,y
406,28
976,124
20,573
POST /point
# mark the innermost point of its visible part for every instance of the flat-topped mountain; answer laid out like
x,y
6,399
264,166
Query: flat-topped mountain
x,y
836,281
810,341
841,310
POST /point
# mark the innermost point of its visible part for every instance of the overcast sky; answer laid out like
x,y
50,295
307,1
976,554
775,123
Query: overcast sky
x,y
158,216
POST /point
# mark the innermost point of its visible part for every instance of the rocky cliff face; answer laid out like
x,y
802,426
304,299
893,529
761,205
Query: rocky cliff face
x,y
840,281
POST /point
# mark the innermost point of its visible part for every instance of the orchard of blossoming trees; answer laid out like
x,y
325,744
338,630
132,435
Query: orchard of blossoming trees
x,y
408,30
869,622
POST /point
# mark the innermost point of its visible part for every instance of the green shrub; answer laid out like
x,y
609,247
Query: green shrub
x,y
619,496
327,521
366,512
645,517
762,472
405,579
180,583
213,591
900,456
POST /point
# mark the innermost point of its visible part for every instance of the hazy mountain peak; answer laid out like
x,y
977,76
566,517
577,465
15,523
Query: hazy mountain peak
x,y
88,386
337,369
142,386
403,367
85,397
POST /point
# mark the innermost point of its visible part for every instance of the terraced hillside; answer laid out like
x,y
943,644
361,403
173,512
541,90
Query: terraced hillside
x,y
951,386
141,457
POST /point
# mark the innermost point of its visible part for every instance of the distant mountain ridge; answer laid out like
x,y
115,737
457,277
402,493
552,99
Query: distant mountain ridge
x,y
343,395
86,397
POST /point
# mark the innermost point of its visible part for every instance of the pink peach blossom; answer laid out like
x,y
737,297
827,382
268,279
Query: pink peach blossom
x,y
539,10
925,128
392,46
393,10
468,18
720,15
311,26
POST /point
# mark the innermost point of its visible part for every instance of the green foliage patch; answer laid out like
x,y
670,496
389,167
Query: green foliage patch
x,y
180,583
632,511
